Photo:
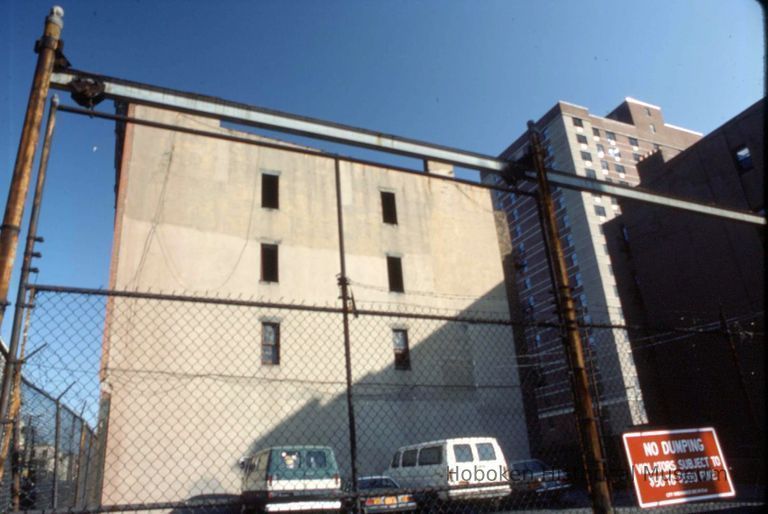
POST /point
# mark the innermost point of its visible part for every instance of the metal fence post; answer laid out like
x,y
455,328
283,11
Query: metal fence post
x,y
47,46
12,371
344,284
588,426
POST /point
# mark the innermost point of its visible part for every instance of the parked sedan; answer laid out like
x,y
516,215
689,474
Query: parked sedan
x,y
388,500
533,476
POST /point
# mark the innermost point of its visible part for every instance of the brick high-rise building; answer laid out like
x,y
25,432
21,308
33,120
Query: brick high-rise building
x,y
605,148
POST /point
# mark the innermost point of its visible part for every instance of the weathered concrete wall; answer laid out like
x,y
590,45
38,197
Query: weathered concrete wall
x,y
188,392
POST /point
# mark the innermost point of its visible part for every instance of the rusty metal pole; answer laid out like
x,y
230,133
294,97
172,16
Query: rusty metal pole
x,y
30,133
588,430
12,363
17,193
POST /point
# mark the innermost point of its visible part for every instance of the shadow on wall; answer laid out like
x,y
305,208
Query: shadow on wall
x,y
460,378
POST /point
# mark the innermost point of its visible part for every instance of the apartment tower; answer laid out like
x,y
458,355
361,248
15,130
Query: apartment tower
x,y
604,148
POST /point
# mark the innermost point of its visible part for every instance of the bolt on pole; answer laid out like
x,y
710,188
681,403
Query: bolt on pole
x,y
588,430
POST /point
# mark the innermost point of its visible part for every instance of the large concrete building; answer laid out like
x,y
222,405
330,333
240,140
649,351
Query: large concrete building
x,y
683,270
605,148
188,387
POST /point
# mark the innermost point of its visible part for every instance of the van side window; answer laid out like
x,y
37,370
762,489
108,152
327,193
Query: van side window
x,y
409,458
485,451
430,455
462,452
396,460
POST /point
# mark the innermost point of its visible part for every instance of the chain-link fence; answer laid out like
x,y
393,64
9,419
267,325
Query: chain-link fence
x,y
188,402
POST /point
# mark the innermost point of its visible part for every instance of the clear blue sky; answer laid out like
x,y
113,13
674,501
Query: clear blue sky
x,y
460,73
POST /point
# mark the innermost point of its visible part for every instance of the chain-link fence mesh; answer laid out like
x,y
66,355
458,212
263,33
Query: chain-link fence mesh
x,y
169,401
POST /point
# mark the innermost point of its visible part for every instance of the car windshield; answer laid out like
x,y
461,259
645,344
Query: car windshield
x,y
376,483
534,466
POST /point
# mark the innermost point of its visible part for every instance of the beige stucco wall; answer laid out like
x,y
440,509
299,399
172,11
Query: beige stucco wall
x,y
188,393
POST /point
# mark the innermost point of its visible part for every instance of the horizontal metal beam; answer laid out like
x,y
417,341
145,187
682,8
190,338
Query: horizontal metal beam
x,y
635,193
134,92
275,120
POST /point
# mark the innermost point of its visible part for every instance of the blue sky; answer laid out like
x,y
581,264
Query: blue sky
x,y
467,74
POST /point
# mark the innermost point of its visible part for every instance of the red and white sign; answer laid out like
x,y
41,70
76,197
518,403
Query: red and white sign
x,y
677,466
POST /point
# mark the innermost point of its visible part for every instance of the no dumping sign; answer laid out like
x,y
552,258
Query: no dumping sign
x,y
677,466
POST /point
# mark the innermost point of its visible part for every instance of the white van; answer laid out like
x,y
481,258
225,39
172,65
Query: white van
x,y
451,465
291,478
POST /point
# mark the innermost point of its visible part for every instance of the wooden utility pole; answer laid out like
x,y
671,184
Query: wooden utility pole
x,y
594,461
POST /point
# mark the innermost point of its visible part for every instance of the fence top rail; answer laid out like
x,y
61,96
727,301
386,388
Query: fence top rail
x,y
218,108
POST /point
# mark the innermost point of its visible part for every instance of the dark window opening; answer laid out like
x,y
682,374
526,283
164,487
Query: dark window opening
x,y
395,272
402,352
270,196
633,141
388,208
586,156
596,132
269,271
610,135
743,158
577,122
581,139
270,344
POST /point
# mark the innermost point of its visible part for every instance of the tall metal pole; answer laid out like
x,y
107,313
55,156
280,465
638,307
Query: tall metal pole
x,y
588,429
17,193
344,284
56,444
12,362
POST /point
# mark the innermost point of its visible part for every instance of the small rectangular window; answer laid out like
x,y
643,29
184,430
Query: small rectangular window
x,y
633,141
269,270
586,156
402,352
462,452
604,165
595,132
620,168
636,157
599,210
577,122
395,272
743,158
270,191
409,458
270,344
610,136
591,173
581,139
485,451
430,456
600,148
388,208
